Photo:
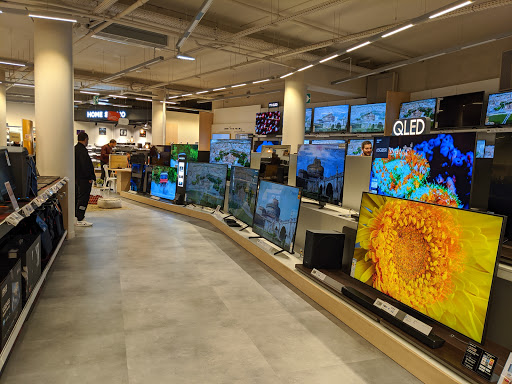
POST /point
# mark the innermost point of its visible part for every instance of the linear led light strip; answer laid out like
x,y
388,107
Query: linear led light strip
x,y
51,18
12,63
451,9
141,99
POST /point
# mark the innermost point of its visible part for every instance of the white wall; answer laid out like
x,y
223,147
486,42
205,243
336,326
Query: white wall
x,y
187,125
235,120
18,111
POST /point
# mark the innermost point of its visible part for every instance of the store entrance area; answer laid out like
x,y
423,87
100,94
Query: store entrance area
x,y
147,296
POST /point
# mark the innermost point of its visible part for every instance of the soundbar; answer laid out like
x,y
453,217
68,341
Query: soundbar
x,y
431,340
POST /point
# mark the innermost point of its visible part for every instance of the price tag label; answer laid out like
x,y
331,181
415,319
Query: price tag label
x,y
386,307
479,361
27,210
418,325
14,218
319,275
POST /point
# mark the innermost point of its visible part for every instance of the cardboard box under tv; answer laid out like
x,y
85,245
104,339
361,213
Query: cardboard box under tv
x,y
118,161
10,300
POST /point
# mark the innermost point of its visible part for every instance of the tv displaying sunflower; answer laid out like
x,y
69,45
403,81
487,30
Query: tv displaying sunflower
x,y
437,260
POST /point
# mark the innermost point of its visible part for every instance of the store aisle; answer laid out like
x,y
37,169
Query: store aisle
x,y
147,296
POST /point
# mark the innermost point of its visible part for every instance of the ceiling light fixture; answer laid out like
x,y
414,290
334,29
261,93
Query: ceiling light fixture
x,y
359,46
398,30
219,89
90,93
182,56
451,9
329,58
8,62
304,68
260,81
141,99
173,97
117,96
186,94
51,18
24,85
169,102
199,93
288,74
238,85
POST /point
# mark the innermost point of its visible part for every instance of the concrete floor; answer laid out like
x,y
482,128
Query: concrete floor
x,y
147,296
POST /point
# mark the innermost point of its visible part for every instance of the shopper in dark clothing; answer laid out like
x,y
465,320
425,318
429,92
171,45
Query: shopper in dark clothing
x,y
106,150
84,177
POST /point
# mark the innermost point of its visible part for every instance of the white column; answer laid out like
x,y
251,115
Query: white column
x,y
159,120
294,114
3,112
53,71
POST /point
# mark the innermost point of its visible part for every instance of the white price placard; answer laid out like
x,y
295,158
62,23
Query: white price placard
x,y
319,275
418,325
386,307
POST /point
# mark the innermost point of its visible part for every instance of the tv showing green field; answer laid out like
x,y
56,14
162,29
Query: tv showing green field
x,y
231,152
499,109
206,184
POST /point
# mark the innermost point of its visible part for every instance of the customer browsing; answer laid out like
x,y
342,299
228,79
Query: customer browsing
x,y
84,177
106,150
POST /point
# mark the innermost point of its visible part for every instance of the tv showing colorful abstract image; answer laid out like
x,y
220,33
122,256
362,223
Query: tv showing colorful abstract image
x,y
431,168
419,108
367,118
355,147
243,188
437,260
331,119
231,152
268,123
206,184
320,171
308,121
499,109
277,212
163,182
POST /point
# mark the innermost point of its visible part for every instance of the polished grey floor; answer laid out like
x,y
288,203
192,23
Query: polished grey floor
x,y
146,296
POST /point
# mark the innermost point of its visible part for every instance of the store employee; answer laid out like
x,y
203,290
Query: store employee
x,y
106,150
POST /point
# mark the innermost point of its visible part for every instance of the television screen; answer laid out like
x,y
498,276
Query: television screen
x,y
500,193
460,110
327,142
419,108
320,171
331,119
191,150
231,152
268,123
499,109
282,151
242,193
309,119
277,212
221,136
489,152
360,147
431,168
206,184
480,149
163,182
368,118
258,145
437,260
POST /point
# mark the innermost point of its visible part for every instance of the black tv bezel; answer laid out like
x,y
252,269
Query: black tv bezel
x,y
255,192
298,214
494,275
446,127
230,165
310,129
487,109
151,179
365,132
434,120
344,163
194,164
277,132
343,130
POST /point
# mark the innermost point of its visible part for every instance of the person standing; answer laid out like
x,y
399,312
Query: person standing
x,y
84,177
106,150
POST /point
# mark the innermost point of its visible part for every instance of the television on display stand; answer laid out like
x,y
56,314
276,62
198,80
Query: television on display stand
x,y
206,184
243,189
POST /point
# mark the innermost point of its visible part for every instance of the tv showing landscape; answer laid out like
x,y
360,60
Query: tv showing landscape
x,y
480,149
268,123
327,142
277,212
320,172
191,150
331,119
419,108
499,109
206,184
431,168
309,119
231,152
243,188
163,182
367,118
355,146
439,261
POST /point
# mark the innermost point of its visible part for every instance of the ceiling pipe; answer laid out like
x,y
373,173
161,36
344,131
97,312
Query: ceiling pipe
x,y
193,24
105,4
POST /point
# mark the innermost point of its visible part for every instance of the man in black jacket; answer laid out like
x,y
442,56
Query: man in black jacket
x,y
84,177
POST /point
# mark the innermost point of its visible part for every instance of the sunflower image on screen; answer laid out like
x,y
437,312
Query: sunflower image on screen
x,y
163,182
437,169
437,260
231,152
206,184
277,211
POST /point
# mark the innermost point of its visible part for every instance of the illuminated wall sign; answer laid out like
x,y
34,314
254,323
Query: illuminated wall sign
x,y
274,104
103,114
411,127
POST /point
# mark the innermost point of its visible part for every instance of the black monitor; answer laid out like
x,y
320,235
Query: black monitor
x,y
460,110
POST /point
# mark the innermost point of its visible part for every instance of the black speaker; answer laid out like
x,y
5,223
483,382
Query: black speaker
x,y
323,249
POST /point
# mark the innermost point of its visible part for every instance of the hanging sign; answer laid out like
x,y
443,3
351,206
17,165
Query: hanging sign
x,y
113,116
411,127
94,114
274,104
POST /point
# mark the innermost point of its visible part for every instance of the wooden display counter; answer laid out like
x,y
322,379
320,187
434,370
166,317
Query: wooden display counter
x,y
123,176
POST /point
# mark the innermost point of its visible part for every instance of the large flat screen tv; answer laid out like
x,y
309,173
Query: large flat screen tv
x,y
277,212
243,188
431,168
206,184
258,145
331,119
499,109
192,151
360,147
460,110
320,172
308,120
367,118
500,193
419,108
439,261
163,182
268,123
231,152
